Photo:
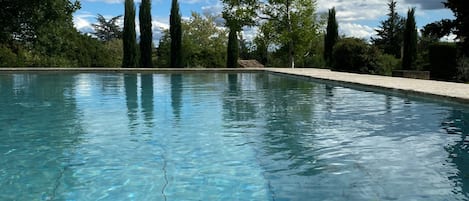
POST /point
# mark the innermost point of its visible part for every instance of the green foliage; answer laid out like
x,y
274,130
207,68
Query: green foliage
x,y
355,55
146,35
7,57
437,30
390,32
130,59
237,13
332,35
107,30
386,63
22,20
233,50
463,69
292,24
175,30
460,9
410,42
204,44
443,61
114,50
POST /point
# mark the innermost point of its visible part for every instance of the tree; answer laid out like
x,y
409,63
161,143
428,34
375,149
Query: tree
x,y
204,43
332,35
410,41
460,9
237,14
390,32
295,27
146,35
129,36
438,29
175,31
107,30
355,55
232,50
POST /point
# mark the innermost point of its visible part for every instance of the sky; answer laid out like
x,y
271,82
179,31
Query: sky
x,y
356,18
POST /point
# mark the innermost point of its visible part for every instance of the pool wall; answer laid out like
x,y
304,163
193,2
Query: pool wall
x,y
428,89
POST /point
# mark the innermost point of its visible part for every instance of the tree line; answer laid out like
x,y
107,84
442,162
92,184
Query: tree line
x,y
289,33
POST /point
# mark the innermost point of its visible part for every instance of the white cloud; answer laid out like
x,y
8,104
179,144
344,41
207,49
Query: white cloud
x,y
356,30
82,22
106,1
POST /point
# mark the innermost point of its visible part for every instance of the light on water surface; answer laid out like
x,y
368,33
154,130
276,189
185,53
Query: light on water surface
x,y
224,137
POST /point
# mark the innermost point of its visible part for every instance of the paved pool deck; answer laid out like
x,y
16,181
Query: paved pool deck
x,y
446,91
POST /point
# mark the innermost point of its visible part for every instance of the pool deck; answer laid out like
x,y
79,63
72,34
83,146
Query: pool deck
x,y
447,91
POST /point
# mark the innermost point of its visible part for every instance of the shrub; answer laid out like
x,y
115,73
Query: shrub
x,y
386,64
463,69
7,57
352,55
443,61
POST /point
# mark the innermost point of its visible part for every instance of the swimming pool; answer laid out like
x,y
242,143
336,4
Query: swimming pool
x,y
215,136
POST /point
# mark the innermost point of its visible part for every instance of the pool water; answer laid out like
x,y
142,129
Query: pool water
x,y
224,137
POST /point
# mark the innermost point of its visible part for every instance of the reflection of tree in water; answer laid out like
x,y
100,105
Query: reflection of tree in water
x,y
458,124
289,116
236,107
176,95
39,114
147,98
130,84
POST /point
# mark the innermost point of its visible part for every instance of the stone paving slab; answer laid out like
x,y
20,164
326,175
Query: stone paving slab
x,y
454,92
449,91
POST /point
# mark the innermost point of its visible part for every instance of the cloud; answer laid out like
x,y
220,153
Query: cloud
x,y
82,22
427,4
106,1
356,30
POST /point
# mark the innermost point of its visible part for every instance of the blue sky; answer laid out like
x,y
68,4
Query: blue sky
x,y
358,18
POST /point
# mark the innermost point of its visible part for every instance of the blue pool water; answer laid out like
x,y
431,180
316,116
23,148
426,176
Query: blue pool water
x,y
224,137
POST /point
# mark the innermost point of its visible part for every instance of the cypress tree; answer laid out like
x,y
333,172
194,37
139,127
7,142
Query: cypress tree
x,y
410,41
233,49
129,36
332,35
175,31
146,35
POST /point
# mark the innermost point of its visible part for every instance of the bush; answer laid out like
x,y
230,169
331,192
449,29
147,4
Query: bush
x,y
7,57
463,69
386,64
353,55
443,61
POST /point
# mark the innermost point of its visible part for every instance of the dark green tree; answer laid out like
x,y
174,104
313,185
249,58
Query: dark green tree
x,y
438,29
146,34
237,14
130,59
390,32
233,50
175,31
107,30
410,41
460,9
332,35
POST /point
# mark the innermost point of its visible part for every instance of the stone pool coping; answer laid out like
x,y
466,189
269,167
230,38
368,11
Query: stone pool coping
x,y
446,91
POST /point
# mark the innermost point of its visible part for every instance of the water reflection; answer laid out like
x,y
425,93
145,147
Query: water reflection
x,y
457,126
131,98
38,115
147,98
176,95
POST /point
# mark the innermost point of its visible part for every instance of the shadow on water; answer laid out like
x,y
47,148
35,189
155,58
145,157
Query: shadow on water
x,y
457,125
40,127
131,98
176,95
147,98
